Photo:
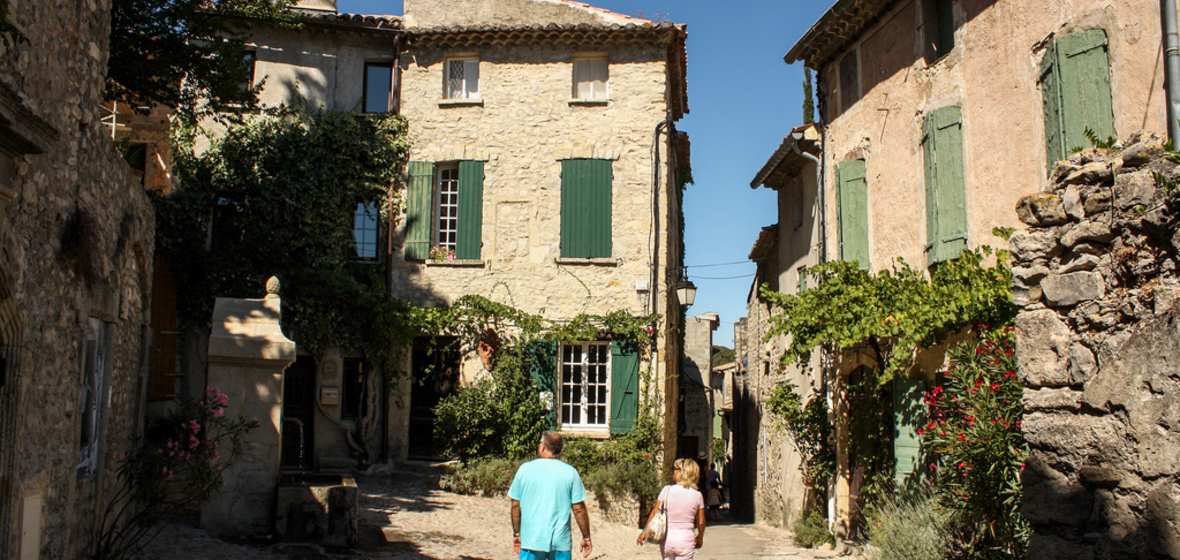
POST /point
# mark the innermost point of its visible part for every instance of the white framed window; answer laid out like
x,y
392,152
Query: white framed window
x,y
446,205
591,74
585,385
365,227
461,79
94,365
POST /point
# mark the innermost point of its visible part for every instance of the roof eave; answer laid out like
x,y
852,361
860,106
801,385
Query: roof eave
x,y
787,151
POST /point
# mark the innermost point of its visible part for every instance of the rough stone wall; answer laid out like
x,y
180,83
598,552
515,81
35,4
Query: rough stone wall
x,y
697,400
1098,340
993,75
75,242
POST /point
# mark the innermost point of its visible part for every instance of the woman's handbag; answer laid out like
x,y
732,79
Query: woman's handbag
x,y
657,526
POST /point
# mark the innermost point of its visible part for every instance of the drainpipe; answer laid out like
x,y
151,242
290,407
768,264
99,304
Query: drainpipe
x,y
819,184
1172,66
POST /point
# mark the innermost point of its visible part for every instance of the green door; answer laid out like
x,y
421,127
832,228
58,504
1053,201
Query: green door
x,y
909,414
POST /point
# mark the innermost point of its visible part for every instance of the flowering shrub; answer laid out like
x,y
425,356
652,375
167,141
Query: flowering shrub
x,y
176,466
975,431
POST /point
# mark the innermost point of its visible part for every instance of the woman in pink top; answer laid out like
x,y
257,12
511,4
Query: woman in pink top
x,y
686,513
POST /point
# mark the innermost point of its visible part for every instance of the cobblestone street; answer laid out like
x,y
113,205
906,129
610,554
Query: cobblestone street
x,y
410,519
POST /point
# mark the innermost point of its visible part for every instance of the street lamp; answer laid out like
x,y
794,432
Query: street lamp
x,y
686,292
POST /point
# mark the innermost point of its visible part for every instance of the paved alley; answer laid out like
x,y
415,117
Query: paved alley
x,y
410,519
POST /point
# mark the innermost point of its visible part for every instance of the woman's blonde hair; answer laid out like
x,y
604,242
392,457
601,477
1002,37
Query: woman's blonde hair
x,y
686,473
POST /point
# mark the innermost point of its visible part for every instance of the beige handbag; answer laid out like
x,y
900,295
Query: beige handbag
x,y
657,526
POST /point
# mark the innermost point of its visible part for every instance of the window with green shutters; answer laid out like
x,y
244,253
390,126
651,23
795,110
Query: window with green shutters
x,y
589,385
946,189
1075,86
586,208
852,199
444,209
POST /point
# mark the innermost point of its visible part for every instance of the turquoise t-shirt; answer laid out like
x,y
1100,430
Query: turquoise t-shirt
x,y
546,488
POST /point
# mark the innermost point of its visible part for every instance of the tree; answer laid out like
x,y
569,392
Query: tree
x,y
189,55
808,98
722,355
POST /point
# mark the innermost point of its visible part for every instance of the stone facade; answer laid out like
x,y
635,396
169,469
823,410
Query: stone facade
x,y
76,239
520,124
696,387
1096,275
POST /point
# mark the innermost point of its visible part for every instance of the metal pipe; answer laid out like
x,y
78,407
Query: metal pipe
x,y
1171,66
819,184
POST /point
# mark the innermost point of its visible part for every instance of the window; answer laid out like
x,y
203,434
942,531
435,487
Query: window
x,y
801,279
136,157
250,59
586,208
946,191
1075,85
353,388
444,211
849,80
378,86
585,378
590,77
94,358
938,28
365,226
462,78
853,209
228,225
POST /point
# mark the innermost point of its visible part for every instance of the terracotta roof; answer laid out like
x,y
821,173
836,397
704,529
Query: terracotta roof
x,y
383,22
840,25
671,35
766,244
785,163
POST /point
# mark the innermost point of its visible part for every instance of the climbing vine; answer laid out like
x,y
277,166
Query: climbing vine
x,y
809,427
895,312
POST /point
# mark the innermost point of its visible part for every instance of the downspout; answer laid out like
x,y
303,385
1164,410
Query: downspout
x,y
1172,66
819,183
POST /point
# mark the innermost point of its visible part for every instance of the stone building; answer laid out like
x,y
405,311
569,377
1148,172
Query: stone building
x,y
698,415
76,239
946,112
544,175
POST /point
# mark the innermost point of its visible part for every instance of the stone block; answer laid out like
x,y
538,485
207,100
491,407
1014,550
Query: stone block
x,y
1164,298
1029,275
1095,199
1043,546
1051,399
1024,297
1030,246
1101,476
1163,517
1078,439
1079,263
1142,152
1071,200
1050,497
1093,173
1041,209
1064,290
1081,364
1043,341
1135,189
1087,231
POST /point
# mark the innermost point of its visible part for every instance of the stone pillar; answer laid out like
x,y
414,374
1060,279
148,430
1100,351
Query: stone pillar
x,y
247,356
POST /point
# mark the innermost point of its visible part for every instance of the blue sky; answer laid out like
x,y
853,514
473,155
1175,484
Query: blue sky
x,y
743,99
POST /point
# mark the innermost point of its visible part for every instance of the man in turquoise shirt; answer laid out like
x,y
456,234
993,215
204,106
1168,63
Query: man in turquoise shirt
x,y
543,493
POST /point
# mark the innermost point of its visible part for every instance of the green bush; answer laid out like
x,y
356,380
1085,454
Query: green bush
x,y
623,464
487,477
811,530
913,528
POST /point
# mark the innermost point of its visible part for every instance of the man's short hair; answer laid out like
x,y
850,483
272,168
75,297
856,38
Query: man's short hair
x,y
552,441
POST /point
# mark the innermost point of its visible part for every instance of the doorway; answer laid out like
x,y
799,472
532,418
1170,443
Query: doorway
x,y
435,366
298,415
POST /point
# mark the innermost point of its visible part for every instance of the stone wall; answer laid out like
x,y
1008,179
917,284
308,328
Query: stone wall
x,y
76,239
1098,339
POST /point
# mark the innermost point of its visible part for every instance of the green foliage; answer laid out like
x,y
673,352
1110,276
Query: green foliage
x,y
722,355
909,528
1004,233
1164,182
187,54
808,426
975,431
288,186
487,477
718,453
870,436
498,417
811,530
1095,142
175,467
624,464
895,311
808,98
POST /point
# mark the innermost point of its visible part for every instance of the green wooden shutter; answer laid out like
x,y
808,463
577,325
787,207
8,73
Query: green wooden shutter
x,y
624,386
1075,86
542,356
586,208
470,234
1085,87
909,414
946,189
853,212
419,206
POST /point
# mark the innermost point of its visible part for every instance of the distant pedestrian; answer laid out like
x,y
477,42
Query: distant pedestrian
x,y
714,499
543,493
686,513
